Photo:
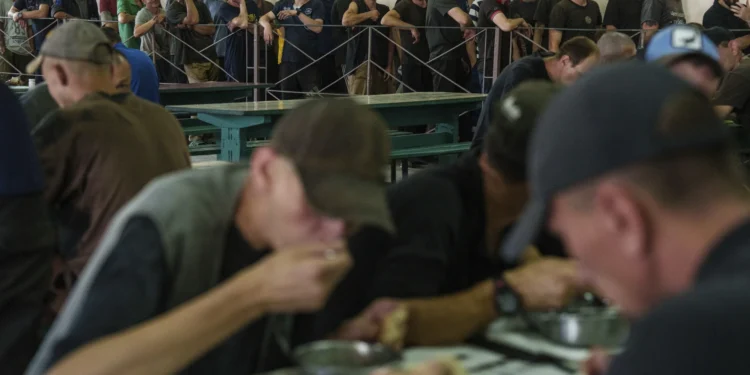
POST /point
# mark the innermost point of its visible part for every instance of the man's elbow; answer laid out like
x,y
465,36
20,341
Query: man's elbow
x,y
316,29
347,21
386,21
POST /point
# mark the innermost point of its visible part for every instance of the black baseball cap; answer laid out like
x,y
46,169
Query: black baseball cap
x,y
590,130
719,35
340,149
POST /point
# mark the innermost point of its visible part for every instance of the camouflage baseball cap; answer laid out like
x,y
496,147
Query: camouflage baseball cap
x,y
340,150
75,40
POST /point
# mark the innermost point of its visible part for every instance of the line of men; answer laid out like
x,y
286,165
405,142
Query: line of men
x,y
212,271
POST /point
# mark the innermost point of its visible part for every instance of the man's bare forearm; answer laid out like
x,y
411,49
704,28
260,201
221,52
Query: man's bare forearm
x,y
192,13
204,29
312,25
354,19
450,319
170,342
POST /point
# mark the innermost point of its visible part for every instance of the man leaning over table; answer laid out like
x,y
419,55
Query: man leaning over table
x,y
653,205
443,264
207,287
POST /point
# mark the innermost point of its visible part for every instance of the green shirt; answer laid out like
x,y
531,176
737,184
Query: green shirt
x,y
126,29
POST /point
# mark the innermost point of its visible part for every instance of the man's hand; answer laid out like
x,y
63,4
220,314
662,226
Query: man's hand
x,y
268,35
414,35
284,14
548,283
374,14
598,362
469,33
741,11
18,16
383,320
299,279
159,18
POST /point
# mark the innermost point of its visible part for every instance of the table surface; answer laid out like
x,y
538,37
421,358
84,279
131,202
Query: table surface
x,y
374,101
190,87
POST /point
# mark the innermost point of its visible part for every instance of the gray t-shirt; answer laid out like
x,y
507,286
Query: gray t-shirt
x,y
16,38
157,34
38,103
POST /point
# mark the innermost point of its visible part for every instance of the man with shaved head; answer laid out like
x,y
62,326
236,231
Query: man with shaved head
x,y
615,46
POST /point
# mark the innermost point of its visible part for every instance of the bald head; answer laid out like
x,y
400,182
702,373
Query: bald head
x,y
615,46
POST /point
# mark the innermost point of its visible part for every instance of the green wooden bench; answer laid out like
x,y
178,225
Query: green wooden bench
x,y
404,155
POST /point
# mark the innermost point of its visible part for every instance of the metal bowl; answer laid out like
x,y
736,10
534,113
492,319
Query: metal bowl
x,y
333,357
584,326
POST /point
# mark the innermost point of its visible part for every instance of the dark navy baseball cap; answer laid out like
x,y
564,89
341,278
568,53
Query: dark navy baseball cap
x,y
591,129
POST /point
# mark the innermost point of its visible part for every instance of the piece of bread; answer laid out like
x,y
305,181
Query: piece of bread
x,y
393,329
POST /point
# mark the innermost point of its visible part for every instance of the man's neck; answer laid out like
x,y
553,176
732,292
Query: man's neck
x,y
688,238
245,219
371,3
154,11
723,4
552,65
582,3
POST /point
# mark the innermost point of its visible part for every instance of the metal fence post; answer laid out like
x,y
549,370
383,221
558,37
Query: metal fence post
x,y
369,60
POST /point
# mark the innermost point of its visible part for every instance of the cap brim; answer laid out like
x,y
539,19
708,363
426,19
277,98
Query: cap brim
x,y
356,201
34,65
525,231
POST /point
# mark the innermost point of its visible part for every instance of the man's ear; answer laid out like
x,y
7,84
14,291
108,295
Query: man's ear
x,y
260,166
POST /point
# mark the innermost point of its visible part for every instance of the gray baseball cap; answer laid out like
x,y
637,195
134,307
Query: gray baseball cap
x,y
591,129
75,40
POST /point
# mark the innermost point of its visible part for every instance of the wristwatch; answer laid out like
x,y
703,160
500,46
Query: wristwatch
x,y
507,301
296,12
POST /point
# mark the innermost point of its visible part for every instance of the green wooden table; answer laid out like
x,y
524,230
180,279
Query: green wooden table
x,y
195,93
241,121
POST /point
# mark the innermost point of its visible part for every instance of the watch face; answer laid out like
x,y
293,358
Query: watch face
x,y
507,302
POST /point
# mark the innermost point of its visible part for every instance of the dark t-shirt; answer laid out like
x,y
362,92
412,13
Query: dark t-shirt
x,y
298,34
624,15
663,12
72,7
442,40
486,40
132,287
542,16
735,92
356,49
439,248
176,12
718,16
569,15
417,16
92,170
236,58
38,26
339,34
702,330
528,68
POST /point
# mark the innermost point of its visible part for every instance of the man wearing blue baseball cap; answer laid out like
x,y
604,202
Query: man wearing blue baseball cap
x,y
689,54
652,204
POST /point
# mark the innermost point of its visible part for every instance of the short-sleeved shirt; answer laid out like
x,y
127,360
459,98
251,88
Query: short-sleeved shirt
x,y
297,34
486,41
356,49
16,37
703,329
524,9
569,15
735,92
236,58
415,15
339,34
155,40
38,26
439,248
126,29
663,12
83,9
542,16
624,15
442,40
176,13
97,155
525,69
144,81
